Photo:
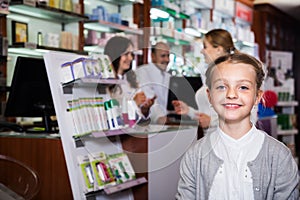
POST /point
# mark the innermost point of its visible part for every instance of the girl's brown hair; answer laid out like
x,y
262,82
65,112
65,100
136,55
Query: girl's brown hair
x,y
236,58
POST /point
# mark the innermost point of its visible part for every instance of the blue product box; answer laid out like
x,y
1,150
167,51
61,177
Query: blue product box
x,y
157,2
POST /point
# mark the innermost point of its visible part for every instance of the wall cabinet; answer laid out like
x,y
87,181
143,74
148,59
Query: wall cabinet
x,y
275,30
57,22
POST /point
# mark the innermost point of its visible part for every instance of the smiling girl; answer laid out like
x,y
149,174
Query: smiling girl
x,y
237,161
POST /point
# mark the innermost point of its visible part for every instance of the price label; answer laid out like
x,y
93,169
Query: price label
x,y
30,45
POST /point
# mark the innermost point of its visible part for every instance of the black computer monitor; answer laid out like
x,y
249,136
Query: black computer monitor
x,y
29,93
184,89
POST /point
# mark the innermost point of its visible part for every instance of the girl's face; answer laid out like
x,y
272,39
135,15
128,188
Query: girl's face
x,y
125,60
210,52
233,92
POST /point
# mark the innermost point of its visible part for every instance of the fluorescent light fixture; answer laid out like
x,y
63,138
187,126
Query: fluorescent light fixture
x,y
159,13
192,32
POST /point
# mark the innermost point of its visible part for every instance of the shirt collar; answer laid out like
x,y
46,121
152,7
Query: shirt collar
x,y
238,143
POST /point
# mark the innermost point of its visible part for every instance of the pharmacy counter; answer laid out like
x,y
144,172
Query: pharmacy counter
x,y
43,153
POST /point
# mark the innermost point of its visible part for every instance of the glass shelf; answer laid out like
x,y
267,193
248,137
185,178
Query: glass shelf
x,y
287,103
91,81
137,130
105,26
198,32
46,12
240,43
4,12
36,50
173,40
287,132
201,4
119,187
96,82
126,185
176,41
123,2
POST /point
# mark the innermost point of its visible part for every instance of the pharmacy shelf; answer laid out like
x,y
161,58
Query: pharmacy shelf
x,y
105,26
126,185
91,81
287,132
45,12
287,103
32,49
123,2
136,130
96,82
172,40
4,12
119,187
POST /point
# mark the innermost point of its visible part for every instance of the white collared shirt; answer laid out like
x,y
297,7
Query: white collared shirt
x,y
234,179
154,81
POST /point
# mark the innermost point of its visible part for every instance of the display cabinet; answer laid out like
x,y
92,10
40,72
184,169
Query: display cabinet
x,y
287,127
148,148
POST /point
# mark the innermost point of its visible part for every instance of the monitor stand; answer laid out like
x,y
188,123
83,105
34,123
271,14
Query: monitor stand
x,y
46,125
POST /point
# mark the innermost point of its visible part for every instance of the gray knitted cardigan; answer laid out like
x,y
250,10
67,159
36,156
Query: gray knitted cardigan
x,y
274,171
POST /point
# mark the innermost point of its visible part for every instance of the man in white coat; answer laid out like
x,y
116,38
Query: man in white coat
x,y
153,77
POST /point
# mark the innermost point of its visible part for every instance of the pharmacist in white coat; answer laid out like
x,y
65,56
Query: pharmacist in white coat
x,y
153,77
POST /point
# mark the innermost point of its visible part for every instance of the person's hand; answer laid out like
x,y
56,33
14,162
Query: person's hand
x,y
204,120
180,107
143,103
139,98
148,103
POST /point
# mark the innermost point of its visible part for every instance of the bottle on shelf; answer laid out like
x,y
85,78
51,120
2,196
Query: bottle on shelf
x,y
39,38
67,5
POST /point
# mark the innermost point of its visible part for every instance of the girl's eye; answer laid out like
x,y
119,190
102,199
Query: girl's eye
x,y
244,87
221,87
